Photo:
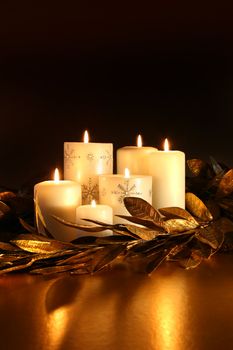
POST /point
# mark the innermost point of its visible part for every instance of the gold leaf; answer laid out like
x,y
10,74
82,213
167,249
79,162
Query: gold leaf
x,y
144,222
226,204
210,235
143,233
226,184
27,227
87,228
106,255
55,269
4,210
8,247
32,236
197,166
140,208
39,216
29,260
114,239
197,207
156,261
6,195
177,213
45,247
213,208
191,262
225,225
218,170
179,225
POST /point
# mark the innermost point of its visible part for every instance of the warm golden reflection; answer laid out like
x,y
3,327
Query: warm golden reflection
x,y
57,325
170,314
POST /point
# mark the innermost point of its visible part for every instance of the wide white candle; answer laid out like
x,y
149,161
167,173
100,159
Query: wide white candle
x,y
114,188
59,198
93,211
135,158
168,171
84,161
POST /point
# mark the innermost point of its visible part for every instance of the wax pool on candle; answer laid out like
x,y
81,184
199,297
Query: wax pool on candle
x,y
84,161
97,212
59,198
168,171
114,188
135,158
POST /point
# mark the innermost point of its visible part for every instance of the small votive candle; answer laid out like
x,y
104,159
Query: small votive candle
x,y
93,211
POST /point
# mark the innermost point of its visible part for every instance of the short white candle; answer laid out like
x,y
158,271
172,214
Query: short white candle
x,y
168,171
59,198
84,161
114,188
93,211
135,158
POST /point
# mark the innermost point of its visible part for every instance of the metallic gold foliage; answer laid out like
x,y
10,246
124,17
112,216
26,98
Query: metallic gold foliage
x,y
148,238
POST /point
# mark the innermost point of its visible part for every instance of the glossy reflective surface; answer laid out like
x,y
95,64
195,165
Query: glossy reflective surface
x,y
172,309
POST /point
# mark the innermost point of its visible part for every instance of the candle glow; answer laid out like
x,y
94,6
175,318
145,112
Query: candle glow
x,y
56,176
166,145
139,141
86,137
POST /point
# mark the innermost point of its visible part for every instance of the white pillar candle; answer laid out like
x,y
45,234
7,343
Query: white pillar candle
x,y
114,188
97,212
59,198
135,158
84,161
168,171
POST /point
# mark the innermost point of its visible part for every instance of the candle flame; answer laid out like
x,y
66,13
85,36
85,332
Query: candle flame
x,y
86,137
139,141
56,175
166,145
127,173
93,203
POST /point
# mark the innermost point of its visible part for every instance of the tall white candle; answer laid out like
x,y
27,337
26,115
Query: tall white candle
x,y
59,198
84,161
135,158
168,171
114,188
93,211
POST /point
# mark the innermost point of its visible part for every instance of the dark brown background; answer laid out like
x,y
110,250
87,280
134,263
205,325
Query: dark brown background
x,y
77,66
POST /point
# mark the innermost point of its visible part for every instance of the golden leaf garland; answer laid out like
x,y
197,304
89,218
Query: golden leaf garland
x,y
186,236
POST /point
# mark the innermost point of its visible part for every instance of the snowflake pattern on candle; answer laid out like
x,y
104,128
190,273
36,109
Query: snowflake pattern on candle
x,y
126,190
106,157
70,156
90,191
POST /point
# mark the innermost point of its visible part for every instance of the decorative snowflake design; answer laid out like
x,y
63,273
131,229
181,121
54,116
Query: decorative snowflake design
x,y
126,191
89,191
90,156
70,156
106,157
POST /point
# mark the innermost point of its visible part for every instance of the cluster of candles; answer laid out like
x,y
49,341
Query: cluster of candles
x,y
90,190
